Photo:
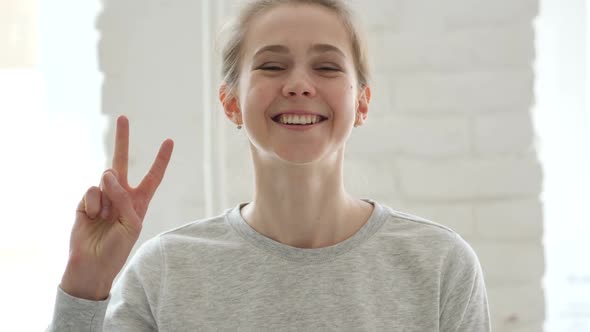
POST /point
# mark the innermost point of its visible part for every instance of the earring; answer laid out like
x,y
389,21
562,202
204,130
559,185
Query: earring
x,y
239,124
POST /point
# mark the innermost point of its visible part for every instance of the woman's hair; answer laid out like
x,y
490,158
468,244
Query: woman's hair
x,y
232,50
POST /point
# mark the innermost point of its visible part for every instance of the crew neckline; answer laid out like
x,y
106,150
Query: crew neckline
x,y
305,255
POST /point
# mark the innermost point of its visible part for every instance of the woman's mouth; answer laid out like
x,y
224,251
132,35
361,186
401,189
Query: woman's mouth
x,y
296,122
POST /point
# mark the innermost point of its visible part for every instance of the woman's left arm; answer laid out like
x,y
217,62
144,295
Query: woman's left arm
x,y
463,297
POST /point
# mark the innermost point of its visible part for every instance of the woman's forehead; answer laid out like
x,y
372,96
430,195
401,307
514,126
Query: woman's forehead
x,y
281,30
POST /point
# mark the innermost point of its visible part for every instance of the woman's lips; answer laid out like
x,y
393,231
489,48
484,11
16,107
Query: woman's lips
x,y
299,112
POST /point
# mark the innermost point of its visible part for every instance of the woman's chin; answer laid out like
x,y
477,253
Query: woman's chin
x,y
298,159
301,157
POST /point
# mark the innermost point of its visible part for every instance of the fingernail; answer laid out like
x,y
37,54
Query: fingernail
x,y
104,213
109,178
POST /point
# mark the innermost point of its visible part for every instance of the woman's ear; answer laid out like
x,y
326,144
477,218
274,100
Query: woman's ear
x,y
230,104
362,109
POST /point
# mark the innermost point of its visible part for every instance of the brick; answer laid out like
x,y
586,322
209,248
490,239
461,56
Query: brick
x,y
430,136
462,50
129,36
503,133
381,103
510,220
513,308
370,175
505,263
422,15
468,13
138,92
464,92
468,179
413,135
373,138
378,14
392,201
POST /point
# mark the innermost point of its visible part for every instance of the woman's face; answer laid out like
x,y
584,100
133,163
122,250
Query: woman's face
x,y
297,58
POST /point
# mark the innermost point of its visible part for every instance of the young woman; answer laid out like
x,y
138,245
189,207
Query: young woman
x,y
303,254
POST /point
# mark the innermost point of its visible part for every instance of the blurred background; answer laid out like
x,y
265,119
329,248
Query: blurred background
x,y
479,121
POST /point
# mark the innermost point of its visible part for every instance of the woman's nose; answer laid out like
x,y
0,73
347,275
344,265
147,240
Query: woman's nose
x,y
298,84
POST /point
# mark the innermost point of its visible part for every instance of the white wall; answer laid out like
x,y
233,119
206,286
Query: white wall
x,y
50,138
449,136
562,118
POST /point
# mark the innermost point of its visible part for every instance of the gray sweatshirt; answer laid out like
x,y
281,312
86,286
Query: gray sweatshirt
x,y
397,273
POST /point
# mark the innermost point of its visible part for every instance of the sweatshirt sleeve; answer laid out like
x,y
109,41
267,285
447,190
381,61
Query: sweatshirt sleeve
x,y
463,300
75,314
131,306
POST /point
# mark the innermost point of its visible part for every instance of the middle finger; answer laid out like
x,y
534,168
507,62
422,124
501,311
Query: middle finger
x,y
121,155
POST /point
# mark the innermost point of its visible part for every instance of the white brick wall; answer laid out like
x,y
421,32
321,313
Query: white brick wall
x,y
449,135
469,178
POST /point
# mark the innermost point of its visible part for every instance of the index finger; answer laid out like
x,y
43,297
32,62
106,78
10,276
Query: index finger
x,y
121,155
153,178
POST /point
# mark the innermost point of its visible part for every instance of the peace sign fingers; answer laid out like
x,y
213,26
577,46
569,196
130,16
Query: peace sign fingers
x,y
109,220
144,192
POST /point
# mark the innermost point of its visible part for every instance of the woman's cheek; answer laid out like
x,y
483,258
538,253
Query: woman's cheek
x,y
259,98
345,93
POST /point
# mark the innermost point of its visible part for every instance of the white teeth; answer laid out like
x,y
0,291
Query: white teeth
x,y
298,119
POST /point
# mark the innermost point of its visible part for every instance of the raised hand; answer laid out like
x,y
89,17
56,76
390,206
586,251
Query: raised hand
x,y
109,220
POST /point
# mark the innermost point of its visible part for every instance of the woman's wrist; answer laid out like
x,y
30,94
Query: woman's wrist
x,y
84,286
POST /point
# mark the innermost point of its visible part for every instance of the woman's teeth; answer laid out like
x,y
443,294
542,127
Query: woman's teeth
x,y
299,119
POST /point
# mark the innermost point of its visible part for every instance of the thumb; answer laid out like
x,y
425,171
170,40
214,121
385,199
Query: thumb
x,y
121,200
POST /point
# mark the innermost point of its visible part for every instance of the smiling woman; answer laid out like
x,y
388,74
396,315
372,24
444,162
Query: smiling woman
x,y
304,254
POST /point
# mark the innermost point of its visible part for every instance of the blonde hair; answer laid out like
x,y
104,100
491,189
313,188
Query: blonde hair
x,y
232,48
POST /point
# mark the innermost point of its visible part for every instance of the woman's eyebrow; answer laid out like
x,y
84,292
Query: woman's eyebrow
x,y
316,48
272,48
323,48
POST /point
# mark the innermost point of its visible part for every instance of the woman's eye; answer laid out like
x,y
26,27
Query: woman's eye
x,y
328,68
271,68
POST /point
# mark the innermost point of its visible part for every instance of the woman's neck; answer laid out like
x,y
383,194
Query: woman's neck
x,y
306,214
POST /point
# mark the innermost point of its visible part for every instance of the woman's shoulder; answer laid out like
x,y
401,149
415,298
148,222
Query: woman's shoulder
x,y
198,232
207,227
419,233
408,223
424,243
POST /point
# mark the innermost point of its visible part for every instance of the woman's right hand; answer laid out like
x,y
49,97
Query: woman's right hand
x,y
109,220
